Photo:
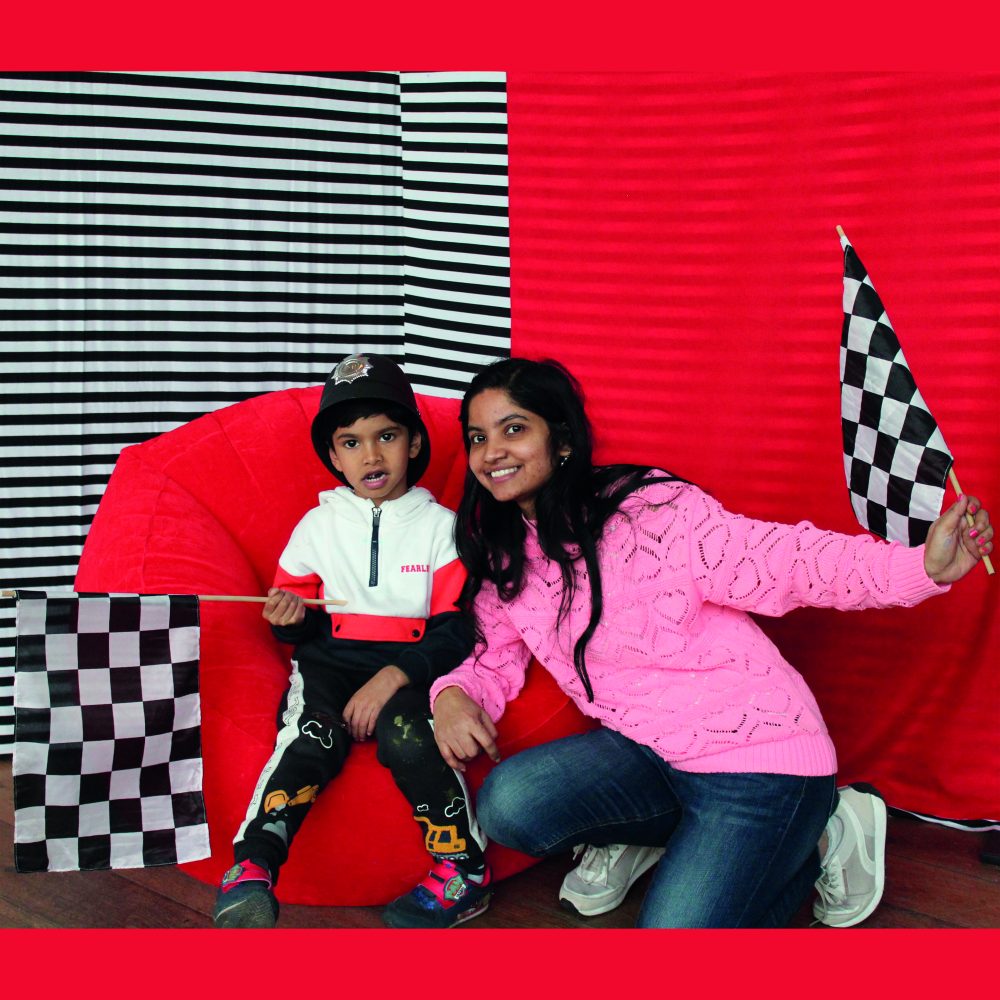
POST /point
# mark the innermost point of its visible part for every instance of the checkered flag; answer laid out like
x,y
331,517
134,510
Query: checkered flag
x,y
895,458
107,745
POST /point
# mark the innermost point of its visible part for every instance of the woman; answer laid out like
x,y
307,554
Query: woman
x,y
632,588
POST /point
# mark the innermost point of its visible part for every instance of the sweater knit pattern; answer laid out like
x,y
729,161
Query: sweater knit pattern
x,y
677,663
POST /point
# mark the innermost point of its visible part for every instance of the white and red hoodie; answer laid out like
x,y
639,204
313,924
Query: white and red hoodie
x,y
395,565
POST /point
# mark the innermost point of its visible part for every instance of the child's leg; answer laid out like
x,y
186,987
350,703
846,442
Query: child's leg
x,y
311,747
310,750
440,799
458,886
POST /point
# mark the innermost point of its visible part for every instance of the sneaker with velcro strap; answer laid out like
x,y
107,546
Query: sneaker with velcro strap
x,y
447,897
245,898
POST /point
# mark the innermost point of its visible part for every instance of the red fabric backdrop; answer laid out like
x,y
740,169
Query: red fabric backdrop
x,y
673,242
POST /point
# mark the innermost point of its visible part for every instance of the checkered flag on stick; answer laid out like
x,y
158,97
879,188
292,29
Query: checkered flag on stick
x,y
107,743
895,458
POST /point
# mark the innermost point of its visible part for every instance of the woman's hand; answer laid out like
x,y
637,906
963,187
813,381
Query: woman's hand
x,y
362,710
953,547
462,728
284,608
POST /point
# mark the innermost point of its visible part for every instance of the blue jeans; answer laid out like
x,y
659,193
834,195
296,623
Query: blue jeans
x,y
740,848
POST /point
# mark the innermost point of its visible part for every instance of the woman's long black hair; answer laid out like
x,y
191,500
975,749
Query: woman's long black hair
x,y
571,508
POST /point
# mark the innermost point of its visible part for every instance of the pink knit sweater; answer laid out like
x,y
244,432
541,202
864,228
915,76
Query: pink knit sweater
x,y
676,662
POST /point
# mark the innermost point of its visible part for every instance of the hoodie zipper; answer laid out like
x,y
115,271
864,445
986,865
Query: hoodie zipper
x,y
373,566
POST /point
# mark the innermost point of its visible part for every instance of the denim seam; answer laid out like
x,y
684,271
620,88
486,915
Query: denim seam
x,y
574,839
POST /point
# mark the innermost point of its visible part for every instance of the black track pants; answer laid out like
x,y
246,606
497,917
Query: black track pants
x,y
311,748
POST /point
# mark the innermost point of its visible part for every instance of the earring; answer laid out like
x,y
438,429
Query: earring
x,y
563,459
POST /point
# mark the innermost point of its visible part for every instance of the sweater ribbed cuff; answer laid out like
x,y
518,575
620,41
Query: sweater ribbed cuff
x,y
910,579
447,682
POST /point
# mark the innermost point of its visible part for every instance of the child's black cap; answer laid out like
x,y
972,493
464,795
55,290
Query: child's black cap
x,y
367,376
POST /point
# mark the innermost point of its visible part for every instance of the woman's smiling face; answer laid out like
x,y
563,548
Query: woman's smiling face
x,y
510,449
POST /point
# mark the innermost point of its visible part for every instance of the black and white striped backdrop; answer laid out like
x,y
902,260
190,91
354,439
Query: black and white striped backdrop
x,y
171,243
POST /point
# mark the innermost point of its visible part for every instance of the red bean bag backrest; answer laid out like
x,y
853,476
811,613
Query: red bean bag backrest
x,y
207,509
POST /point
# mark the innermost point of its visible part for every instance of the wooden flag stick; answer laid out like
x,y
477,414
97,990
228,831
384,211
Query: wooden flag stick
x,y
953,479
262,600
219,597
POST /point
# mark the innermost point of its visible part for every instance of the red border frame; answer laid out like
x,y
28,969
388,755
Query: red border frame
x,y
728,35
556,35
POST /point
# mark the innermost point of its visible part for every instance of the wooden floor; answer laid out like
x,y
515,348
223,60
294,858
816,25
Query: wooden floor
x,y
935,878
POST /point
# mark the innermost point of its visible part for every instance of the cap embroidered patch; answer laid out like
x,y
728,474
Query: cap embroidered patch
x,y
351,369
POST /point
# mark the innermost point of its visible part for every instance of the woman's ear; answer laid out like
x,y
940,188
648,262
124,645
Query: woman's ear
x,y
560,436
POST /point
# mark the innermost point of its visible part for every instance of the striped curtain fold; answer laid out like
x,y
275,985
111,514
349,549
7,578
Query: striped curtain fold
x,y
171,243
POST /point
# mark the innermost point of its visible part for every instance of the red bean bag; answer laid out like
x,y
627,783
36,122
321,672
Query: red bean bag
x,y
207,509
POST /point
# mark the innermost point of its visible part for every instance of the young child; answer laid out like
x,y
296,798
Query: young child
x,y
383,545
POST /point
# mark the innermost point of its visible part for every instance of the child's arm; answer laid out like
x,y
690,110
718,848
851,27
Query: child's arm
x,y
446,642
291,620
295,577
284,607
362,710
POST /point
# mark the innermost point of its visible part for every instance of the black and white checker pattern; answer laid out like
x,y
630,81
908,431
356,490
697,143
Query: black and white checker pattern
x,y
107,742
895,458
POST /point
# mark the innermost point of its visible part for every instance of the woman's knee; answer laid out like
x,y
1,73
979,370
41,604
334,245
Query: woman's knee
x,y
508,813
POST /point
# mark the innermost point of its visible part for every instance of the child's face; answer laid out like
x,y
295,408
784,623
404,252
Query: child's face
x,y
373,455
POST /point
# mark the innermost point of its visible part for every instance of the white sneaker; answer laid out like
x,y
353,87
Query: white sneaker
x,y
853,877
601,880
